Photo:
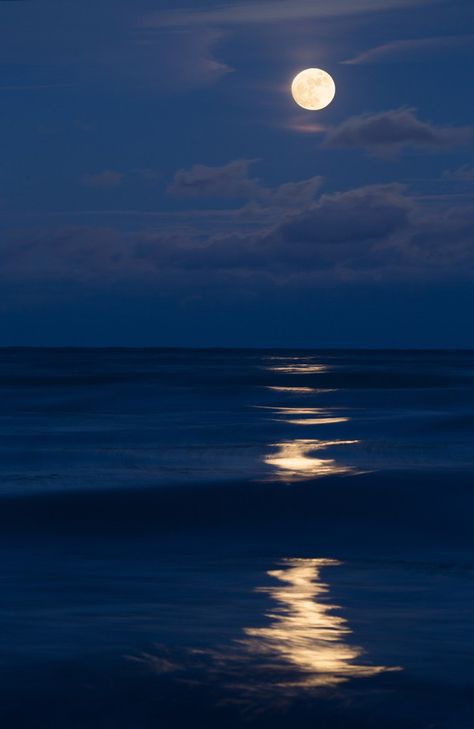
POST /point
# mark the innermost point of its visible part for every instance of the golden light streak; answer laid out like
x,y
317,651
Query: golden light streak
x,y
294,460
304,633
298,369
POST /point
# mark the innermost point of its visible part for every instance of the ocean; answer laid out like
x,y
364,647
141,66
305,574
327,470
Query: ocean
x,y
233,538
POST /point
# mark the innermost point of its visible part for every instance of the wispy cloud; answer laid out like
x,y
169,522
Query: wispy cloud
x,y
401,50
264,11
105,43
298,124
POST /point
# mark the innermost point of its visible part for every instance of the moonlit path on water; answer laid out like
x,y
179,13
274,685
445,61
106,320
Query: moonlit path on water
x,y
218,537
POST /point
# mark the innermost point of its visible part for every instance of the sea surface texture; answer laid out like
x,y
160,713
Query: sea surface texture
x,y
220,539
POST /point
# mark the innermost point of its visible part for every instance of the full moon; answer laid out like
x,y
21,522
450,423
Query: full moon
x,y
313,89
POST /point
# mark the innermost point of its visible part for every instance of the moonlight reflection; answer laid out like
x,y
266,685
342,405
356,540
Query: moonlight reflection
x,y
295,460
305,642
303,647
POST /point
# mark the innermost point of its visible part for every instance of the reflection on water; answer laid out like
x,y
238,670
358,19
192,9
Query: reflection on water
x,y
303,647
295,390
294,460
297,411
298,368
325,417
316,421
306,643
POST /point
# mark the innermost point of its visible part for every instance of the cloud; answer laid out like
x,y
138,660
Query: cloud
x,y
233,181
405,50
104,44
293,194
107,178
340,233
266,12
465,173
303,126
230,180
170,60
389,132
377,232
374,233
346,218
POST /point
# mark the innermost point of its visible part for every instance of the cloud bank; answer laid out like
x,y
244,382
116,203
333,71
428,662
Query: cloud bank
x,y
374,233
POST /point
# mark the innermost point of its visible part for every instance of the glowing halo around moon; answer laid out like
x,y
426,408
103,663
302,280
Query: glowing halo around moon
x,y
313,89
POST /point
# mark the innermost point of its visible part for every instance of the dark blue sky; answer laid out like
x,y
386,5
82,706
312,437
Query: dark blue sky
x,y
158,185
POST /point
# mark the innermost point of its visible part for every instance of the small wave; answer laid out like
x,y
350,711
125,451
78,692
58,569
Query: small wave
x,y
370,509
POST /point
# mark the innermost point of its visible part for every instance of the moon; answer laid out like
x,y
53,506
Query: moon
x,y
313,89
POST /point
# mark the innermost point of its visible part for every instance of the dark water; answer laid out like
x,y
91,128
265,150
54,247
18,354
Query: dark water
x,y
236,538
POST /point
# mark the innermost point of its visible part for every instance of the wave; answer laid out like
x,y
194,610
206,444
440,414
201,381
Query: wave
x,y
365,509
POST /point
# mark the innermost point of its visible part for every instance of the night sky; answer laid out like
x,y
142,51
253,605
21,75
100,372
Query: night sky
x,y
160,187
